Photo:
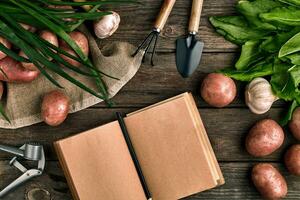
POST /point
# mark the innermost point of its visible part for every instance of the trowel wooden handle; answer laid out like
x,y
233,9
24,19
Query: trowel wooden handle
x,y
164,14
195,16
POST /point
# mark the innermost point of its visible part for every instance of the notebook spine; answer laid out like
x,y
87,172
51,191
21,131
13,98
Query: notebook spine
x,y
133,155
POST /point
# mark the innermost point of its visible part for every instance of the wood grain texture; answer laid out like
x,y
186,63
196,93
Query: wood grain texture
x,y
52,184
195,16
137,23
226,127
164,14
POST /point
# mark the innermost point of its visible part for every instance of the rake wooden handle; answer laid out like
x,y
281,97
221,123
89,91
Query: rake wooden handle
x,y
164,14
195,16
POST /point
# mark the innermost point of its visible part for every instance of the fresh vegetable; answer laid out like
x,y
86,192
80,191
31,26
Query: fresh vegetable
x,y
265,137
81,40
55,108
7,44
17,16
46,35
292,159
1,89
13,72
268,181
107,25
259,96
294,124
268,33
218,90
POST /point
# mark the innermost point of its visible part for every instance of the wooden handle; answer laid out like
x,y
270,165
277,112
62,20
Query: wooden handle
x,y
164,14
195,16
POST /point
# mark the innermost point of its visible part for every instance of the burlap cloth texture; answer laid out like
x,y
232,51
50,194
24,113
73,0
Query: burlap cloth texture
x,y
22,102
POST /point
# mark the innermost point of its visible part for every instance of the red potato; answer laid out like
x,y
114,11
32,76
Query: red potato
x,y
265,137
67,59
55,108
28,66
292,159
28,27
7,44
294,124
218,90
15,73
49,36
46,35
81,40
1,89
268,181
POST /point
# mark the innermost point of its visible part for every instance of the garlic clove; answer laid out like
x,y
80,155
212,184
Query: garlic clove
x,y
107,25
259,96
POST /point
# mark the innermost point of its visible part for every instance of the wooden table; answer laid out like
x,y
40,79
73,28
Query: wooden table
x,y
226,127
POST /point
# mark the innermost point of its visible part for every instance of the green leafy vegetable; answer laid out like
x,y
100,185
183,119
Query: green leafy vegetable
x,y
285,15
249,55
268,32
236,29
252,9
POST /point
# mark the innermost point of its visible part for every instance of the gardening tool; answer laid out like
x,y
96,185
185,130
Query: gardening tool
x,y
158,26
32,152
189,50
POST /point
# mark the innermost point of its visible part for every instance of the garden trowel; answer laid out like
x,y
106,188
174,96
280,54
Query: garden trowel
x,y
189,49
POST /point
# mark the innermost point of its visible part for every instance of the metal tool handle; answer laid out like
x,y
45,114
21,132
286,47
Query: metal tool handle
x,y
195,16
164,14
25,177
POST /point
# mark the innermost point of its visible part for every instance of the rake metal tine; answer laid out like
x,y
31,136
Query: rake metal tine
x,y
147,48
142,44
154,48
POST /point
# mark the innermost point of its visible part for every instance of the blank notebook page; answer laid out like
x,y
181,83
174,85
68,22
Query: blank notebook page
x,y
170,151
99,165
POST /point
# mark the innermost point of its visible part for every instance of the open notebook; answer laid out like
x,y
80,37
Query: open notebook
x,y
171,145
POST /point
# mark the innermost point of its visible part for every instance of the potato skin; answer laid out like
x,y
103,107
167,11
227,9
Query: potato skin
x,y
1,89
81,40
268,181
7,44
49,36
15,72
55,108
28,66
265,137
294,124
292,159
218,90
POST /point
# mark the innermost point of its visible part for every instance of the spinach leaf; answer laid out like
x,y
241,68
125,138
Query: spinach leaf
x,y
252,9
283,83
249,55
291,2
292,58
288,116
236,29
295,75
273,44
263,68
285,15
291,46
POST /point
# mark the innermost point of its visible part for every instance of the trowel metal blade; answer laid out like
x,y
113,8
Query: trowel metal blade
x,y
188,55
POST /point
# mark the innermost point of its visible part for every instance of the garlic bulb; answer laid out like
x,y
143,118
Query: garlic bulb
x,y
107,25
259,96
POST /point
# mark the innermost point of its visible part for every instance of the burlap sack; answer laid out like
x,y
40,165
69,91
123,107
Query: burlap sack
x,y
22,101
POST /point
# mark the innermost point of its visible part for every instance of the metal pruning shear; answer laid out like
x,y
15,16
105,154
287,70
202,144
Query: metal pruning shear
x,y
30,151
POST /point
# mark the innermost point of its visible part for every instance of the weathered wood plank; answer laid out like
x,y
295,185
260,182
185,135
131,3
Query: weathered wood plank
x,y
52,185
226,128
153,84
239,186
137,23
